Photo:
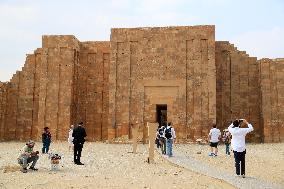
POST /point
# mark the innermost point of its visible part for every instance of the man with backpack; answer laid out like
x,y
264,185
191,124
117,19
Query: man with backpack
x,y
170,136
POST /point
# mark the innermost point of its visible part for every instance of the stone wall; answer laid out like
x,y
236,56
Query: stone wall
x,y
272,98
41,93
238,88
90,103
62,83
3,104
111,85
11,111
173,66
56,71
25,100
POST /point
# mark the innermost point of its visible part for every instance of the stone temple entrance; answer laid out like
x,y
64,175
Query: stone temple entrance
x,y
161,114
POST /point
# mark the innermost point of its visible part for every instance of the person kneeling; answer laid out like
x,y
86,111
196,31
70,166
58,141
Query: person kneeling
x,y
27,156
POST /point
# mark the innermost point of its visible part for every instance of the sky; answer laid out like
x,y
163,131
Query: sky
x,y
256,26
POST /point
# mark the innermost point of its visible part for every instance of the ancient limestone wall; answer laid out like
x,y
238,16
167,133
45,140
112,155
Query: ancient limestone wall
x,y
25,100
41,93
238,88
3,104
11,112
111,85
173,66
272,88
91,89
56,70
17,103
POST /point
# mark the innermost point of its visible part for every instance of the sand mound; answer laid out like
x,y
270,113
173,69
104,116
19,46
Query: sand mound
x,y
10,168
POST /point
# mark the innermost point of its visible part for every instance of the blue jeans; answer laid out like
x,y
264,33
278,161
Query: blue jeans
x,y
45,147
227,149
24,160
169,147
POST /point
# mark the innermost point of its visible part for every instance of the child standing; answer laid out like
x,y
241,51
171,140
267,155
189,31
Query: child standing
x,y
46,140
227,141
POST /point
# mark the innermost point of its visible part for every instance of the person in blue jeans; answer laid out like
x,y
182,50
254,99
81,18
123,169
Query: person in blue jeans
x,y
170,137
46,140
227,141
28,155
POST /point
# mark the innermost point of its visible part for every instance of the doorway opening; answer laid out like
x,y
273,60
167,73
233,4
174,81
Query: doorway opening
x,y
161,114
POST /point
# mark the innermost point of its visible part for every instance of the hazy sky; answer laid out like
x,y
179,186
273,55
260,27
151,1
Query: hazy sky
x,y
256,26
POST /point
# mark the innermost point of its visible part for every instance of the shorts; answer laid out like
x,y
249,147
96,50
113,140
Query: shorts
x,y
214,144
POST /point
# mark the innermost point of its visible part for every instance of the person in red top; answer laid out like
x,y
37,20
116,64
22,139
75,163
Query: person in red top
x,y
46,140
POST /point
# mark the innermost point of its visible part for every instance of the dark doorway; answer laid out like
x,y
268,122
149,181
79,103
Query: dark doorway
x,y
161,113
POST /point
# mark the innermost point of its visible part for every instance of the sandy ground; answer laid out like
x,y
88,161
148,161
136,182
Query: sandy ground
x,y
263,161
106,166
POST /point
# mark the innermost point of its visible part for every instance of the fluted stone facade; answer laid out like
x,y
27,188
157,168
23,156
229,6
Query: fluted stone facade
x,y
112,84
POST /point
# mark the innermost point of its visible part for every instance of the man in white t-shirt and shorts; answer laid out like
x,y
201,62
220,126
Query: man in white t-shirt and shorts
x,y
214,137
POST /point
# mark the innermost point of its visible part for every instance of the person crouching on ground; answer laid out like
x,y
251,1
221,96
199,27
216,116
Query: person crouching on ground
x,y
238,143
46,140
28,155
170,137
214,137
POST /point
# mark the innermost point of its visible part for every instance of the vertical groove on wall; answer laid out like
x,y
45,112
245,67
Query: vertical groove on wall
x,y
46,85
186,88
58,93
115,94
129,88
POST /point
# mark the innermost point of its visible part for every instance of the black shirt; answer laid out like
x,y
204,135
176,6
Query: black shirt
x,y
79,134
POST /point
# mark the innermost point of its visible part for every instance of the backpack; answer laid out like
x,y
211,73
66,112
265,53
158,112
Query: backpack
x,y
161,132
227,139
168,132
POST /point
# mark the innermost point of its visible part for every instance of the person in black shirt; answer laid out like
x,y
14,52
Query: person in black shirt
x,y
46,140
79,135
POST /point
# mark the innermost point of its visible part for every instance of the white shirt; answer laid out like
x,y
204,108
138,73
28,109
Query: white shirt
x,y
238,142
70,138
214,135
172,131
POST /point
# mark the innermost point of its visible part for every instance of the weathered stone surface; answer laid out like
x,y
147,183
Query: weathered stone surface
x,y
56,71
111,85
272,87
3,104
173,66
238,88
91,89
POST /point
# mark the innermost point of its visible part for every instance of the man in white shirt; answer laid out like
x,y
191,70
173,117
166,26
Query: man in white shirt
x,y
238,143
214,137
